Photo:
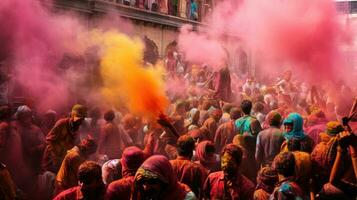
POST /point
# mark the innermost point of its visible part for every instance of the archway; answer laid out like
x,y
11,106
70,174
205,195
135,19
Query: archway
x,y
151,53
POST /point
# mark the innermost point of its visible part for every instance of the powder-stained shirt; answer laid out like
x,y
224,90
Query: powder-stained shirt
x,y
215,188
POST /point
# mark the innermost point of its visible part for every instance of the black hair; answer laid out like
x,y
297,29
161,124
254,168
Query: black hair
x,y
284,164
246,106
109,115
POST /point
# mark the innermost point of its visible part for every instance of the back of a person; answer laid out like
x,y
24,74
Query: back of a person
x,y
303,170
110,141
189,173
224,135
306,143
67,174
269,142
120,189
315,130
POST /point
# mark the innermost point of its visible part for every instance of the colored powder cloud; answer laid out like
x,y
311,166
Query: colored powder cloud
x,y
303,34
125,78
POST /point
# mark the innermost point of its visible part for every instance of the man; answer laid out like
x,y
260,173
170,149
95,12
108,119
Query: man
x,y
225,132
90,187
131,160
266,180
155,179
62,137
269,140
293,129
188,172
67,174
247,128
286,188
324,154
222,87
248,124
229,183
11,153
112,141
302,166
316,125
33,143
211,124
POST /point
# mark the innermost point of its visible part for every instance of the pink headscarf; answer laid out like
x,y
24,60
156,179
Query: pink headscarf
x,y
131,160
161,166
206,160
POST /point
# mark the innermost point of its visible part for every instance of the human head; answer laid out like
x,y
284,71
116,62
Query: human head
x,y
180,107
227,107
49,118
267,178
334,128
216,114
284,164
128,121
88,146
90,180
131,160
231,158
24,114
258,107
293,126
273,119
205,151
109,115
185,146
154,177
235,113
246,106
78,113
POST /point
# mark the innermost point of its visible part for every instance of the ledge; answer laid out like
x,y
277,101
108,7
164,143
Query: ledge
x,y
129,12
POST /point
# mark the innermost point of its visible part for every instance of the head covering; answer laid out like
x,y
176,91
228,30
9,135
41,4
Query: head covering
x,y
23,111
158,166
79,111
131,160
316,116
192,115
266,179
235,151
215,112
334,127
297,130
202,154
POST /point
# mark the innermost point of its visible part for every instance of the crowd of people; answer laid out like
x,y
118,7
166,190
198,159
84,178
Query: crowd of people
x,y
220,139
191,9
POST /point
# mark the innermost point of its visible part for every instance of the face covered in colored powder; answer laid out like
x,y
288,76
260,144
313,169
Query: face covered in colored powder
x,y
75,123
288,127
229,166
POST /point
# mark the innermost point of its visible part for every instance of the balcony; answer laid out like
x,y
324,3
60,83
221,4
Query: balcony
x,y
97,7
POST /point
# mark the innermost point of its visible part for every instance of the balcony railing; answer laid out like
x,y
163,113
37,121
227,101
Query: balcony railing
x,y
135,12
